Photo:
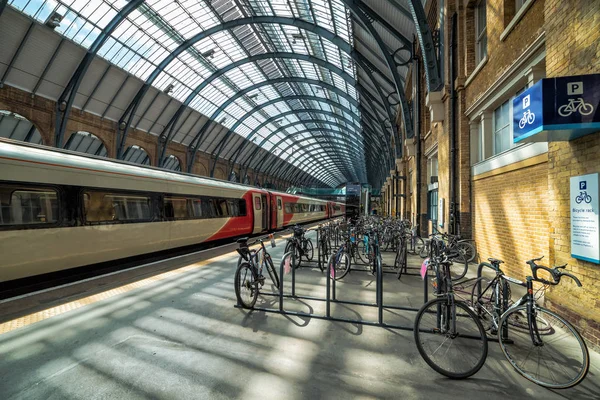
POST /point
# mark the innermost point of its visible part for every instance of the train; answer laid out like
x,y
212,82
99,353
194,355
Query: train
x,y
61,210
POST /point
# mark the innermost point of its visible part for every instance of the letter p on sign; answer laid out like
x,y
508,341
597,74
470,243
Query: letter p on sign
x,y
574,88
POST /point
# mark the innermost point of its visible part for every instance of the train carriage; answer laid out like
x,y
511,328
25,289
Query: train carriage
x,y
60,210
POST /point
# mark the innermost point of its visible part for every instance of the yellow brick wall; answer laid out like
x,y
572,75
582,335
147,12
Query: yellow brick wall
x,y
572,48
510,217
501,54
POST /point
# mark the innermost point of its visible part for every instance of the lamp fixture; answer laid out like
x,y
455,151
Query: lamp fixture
x,y
53,20
208,53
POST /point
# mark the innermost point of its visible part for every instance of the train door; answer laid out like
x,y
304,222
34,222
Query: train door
x,y
279,220
265,213
258,212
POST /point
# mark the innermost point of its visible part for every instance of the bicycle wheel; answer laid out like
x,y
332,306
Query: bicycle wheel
x,y
246,285
458,269
418,245
309,250
272,271
561,362
401,258
468,249
424,250
458,353
342,265
363,253
291,246
484,302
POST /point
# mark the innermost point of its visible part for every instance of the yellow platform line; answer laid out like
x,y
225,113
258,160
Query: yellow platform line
x,y
74,305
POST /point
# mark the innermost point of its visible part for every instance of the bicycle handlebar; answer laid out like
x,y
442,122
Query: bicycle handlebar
x,y
555,273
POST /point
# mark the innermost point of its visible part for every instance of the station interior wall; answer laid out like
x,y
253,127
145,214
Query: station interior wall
x,y
515,205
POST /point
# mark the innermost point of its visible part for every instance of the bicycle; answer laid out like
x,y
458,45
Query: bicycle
x,y
300,245
248,276
449,335
416,242
544,348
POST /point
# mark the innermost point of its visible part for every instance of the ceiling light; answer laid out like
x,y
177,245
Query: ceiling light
x,y
208,53
253,96
53,20
223,120
169,88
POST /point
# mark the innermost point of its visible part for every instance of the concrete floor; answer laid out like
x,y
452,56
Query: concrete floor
x,y
179,336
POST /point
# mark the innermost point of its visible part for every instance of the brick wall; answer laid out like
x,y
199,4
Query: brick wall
x,y
572,48
501,54
510,217
40,111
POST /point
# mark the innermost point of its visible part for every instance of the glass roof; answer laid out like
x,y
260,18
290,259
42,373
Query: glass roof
x,y
151,32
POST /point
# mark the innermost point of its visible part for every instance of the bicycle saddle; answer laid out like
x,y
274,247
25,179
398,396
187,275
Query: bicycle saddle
x,y
242,240
495,261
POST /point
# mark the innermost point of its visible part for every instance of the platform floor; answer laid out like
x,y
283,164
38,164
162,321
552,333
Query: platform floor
x,y
171,331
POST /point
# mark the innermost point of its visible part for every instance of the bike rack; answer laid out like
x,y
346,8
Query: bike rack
x,y
331,297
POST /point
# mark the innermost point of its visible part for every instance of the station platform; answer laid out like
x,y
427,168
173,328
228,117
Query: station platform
x,y
170,330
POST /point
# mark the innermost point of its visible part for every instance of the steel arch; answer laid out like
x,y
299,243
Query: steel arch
x,y
316,121
67,97
165,137
195,143
229,25
292,112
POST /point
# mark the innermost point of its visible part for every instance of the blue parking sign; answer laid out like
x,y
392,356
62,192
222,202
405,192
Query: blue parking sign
x,y
528,118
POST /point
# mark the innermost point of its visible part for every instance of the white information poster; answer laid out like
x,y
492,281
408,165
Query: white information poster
x,y
585,218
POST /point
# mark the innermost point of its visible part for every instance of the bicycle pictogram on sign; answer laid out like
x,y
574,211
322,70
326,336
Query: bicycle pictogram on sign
x,y
575,105
528,118
583,196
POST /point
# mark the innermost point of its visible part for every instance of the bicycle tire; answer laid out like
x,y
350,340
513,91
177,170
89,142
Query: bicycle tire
x,y
418,245
401,254
272,271
424,251
246,285
291,246
342,266
462,347
469,249
362,253
521,339
309,250
458,270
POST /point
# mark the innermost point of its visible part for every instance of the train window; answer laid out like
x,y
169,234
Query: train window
x,y
257,203
279,204
28,206
113,207
196,205
242,208
176,208
221,208
287,208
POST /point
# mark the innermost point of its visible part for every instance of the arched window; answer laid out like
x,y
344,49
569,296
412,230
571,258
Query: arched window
x,y
246,180
233,177
219,173
172,163
85,142
137,155
17,127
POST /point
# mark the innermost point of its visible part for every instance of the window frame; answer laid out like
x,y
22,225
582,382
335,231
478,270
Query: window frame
x,y
480,32
152,205
19,186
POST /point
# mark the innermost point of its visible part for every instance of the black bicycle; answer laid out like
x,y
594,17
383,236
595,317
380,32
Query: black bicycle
x,y
249,274
543,347
448,334
300,245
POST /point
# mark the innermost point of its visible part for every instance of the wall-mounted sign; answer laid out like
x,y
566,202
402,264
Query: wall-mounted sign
x,y
585,218
557,109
